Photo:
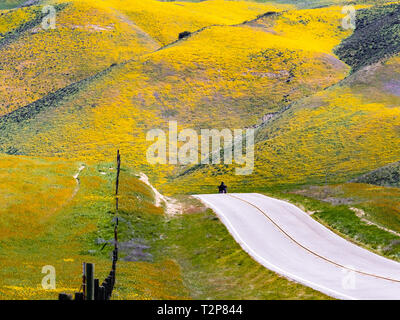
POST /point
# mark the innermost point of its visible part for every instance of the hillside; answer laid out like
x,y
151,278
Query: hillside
x,y
9,4
202,83
89,38
388,176
335,135
198,81
36,62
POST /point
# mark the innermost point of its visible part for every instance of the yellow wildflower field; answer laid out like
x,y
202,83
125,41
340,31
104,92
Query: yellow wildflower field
x,y
224,76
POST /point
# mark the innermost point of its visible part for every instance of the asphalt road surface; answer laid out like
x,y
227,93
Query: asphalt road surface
x,y
287,240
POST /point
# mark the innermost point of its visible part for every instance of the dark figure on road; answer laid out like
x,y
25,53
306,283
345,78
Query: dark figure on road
x,y
222,188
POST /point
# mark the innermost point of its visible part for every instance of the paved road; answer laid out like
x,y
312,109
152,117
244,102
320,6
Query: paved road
x,y
288,241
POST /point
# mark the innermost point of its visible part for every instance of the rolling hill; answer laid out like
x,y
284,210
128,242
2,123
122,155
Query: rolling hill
x,y
198,81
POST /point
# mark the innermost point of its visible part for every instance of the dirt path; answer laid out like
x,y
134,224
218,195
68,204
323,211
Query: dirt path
x,y
74,192
361,214
78,183
147,39
172,207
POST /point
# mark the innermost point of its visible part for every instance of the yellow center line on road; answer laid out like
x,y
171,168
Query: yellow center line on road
x,y
309,250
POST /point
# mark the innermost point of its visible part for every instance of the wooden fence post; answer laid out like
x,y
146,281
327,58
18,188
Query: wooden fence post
x,y
84,279
102,293
79,296
117,180
112,276
64,297
105,286
118,170
89,281
96,289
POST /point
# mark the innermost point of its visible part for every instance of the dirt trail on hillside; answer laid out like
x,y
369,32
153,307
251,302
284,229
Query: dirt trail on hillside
x,y
78,183
143,34
172,207
74,192
361,214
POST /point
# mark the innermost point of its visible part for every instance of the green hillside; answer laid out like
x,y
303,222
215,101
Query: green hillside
x,y
386,176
